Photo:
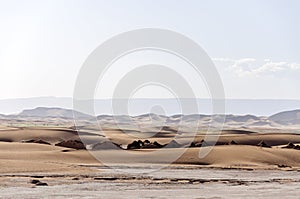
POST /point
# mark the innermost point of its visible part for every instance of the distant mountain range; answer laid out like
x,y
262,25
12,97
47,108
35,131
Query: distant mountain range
x,y
43,112
286,118
257,107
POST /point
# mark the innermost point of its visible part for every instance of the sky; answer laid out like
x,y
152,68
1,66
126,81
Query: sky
x,y
254,44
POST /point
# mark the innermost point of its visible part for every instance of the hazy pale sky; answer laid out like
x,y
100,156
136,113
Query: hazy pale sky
x,y
254,44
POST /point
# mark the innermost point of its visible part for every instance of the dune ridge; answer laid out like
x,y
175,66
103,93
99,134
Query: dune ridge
x,y
234,149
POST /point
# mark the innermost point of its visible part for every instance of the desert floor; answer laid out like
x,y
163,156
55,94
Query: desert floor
x,y
28,165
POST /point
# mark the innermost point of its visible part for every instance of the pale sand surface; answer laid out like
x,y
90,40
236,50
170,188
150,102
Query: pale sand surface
x,y
28,157
179,182
16,156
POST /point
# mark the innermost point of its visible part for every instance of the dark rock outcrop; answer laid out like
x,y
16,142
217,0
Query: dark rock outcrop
x,y
233,142
263,144
38,183
74,144
144,145
134,145
153,145
297,147
173,144
41,184
104,146
198,144
36,141
34,181
291,146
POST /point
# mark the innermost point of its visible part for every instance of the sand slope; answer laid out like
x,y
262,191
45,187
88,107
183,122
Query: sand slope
x,y
16,156
28,157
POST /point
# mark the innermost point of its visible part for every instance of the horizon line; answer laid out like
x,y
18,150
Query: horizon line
x,y
145,98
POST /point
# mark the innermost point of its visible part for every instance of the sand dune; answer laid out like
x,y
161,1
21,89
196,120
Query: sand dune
x,y
29,157
44,158
51,135
273,139
244,156
16,156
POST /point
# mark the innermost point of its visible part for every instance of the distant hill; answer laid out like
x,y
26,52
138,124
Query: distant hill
x,y
287,117
241,118
42,112
281,119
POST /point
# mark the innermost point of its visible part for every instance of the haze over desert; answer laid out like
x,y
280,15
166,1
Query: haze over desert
x,y
149,99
